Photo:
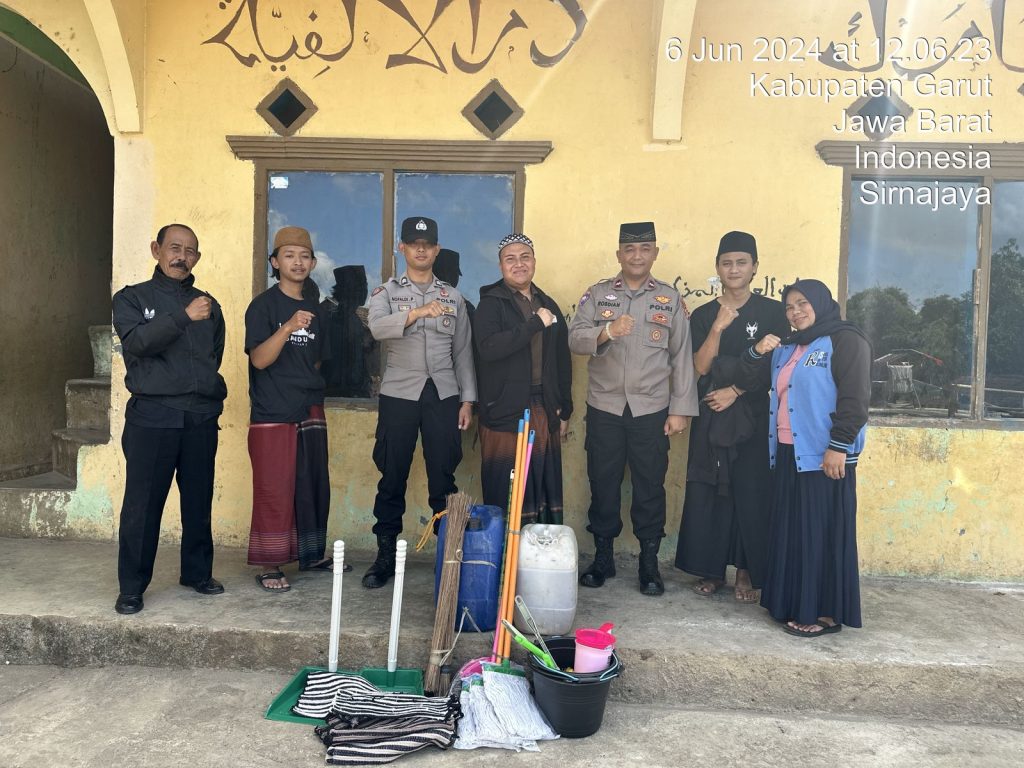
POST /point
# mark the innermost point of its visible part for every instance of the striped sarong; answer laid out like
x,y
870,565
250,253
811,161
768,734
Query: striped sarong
x,y
542,502
291,491
368,726
354,696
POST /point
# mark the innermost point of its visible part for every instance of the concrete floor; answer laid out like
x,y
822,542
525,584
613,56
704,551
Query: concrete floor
x,y
935,652
127,717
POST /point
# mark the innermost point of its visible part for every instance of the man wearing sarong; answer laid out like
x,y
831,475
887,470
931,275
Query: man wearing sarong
x,y
286,339
641,391
523,362
428,390
172,337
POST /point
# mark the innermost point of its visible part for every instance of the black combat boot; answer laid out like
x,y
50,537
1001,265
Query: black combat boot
x,y
603,566
383,567
650,578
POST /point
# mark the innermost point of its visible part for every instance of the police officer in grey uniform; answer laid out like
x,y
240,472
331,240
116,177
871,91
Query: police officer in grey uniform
x,y
428,389
641,391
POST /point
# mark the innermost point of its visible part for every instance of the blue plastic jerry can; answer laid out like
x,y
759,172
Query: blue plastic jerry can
x,y
480,575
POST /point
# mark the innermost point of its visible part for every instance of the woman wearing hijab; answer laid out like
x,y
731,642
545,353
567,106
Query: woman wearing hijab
x,y
821,386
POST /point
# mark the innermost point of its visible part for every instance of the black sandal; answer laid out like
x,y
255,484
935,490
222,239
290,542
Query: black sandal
x,y
262,578
326,565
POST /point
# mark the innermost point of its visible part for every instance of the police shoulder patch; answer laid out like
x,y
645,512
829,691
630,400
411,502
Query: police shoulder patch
x,y
377,290
584,298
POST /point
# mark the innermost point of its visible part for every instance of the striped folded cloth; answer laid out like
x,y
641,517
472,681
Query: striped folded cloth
x,y
327,692
373,741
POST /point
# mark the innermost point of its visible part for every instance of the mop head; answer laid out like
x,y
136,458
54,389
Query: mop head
x,y
498,711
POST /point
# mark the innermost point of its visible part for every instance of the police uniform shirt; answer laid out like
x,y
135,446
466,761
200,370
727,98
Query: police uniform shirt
x,y
649,369
436,348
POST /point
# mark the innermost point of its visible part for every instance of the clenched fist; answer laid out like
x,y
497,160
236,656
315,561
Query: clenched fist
x,y
622,326
726,315
300,320
546,316
199,308
767,344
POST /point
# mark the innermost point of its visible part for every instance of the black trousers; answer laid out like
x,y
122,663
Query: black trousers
x,y
154,457
399,423
612,441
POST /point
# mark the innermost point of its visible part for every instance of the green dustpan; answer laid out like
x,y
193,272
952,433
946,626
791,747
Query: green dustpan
x,y
395,679
281,707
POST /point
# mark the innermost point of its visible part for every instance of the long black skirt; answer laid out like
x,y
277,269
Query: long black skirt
x,y
812,556
722,527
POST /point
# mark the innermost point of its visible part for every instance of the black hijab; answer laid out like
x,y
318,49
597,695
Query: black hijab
x,y
827,319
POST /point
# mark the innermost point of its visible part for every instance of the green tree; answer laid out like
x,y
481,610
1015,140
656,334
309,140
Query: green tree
x,y
886,316
1006,317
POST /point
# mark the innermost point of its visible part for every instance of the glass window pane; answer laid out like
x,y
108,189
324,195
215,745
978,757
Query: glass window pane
x,y
473,212
343,213
1004,362
910,288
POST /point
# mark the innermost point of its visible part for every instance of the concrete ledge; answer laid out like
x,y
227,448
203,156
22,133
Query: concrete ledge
x,y
929,651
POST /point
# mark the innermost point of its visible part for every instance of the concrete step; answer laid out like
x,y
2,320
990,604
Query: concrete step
x,y
36,506
66,443
88,404
929,651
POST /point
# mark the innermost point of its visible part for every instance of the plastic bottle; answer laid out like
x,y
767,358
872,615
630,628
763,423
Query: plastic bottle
x,y
546,577
482,548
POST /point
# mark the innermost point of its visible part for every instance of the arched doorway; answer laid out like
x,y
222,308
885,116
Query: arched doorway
x,y
56,212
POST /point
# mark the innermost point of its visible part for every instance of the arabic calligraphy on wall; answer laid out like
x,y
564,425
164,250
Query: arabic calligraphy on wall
x,y
281,32
765,285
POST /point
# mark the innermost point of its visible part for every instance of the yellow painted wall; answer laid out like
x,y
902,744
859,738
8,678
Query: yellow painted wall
x,y
743,163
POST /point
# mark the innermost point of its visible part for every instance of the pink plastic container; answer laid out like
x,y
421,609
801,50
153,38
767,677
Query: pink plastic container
x,y
594,649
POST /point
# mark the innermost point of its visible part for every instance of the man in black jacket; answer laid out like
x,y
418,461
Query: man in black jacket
x,y
522,362
172,337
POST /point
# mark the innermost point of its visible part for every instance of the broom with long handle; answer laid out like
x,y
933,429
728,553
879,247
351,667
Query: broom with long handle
x,y
515,518
504,551
499,630
510,605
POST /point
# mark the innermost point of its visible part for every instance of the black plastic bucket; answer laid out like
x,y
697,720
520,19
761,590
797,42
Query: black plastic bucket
x,y
573,704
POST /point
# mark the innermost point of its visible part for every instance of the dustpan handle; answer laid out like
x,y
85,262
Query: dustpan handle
x,y
339,568
396,605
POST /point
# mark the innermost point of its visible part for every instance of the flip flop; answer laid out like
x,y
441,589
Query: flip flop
x,y
326,565
705,587
826,629
263,577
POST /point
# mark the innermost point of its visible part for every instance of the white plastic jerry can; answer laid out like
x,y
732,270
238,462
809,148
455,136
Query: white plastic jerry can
x,y
547,577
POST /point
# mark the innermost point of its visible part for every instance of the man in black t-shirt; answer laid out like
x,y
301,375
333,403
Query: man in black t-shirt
x,y
286,340
728,481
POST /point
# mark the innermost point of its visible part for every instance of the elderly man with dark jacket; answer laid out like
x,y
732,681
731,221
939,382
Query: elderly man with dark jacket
x,y
522,362
172,336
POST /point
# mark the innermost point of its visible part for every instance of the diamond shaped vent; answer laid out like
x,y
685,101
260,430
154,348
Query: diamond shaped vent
x,y
493,111
286,108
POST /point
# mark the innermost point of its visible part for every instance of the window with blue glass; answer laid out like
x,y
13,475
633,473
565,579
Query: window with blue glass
x,y
354,218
